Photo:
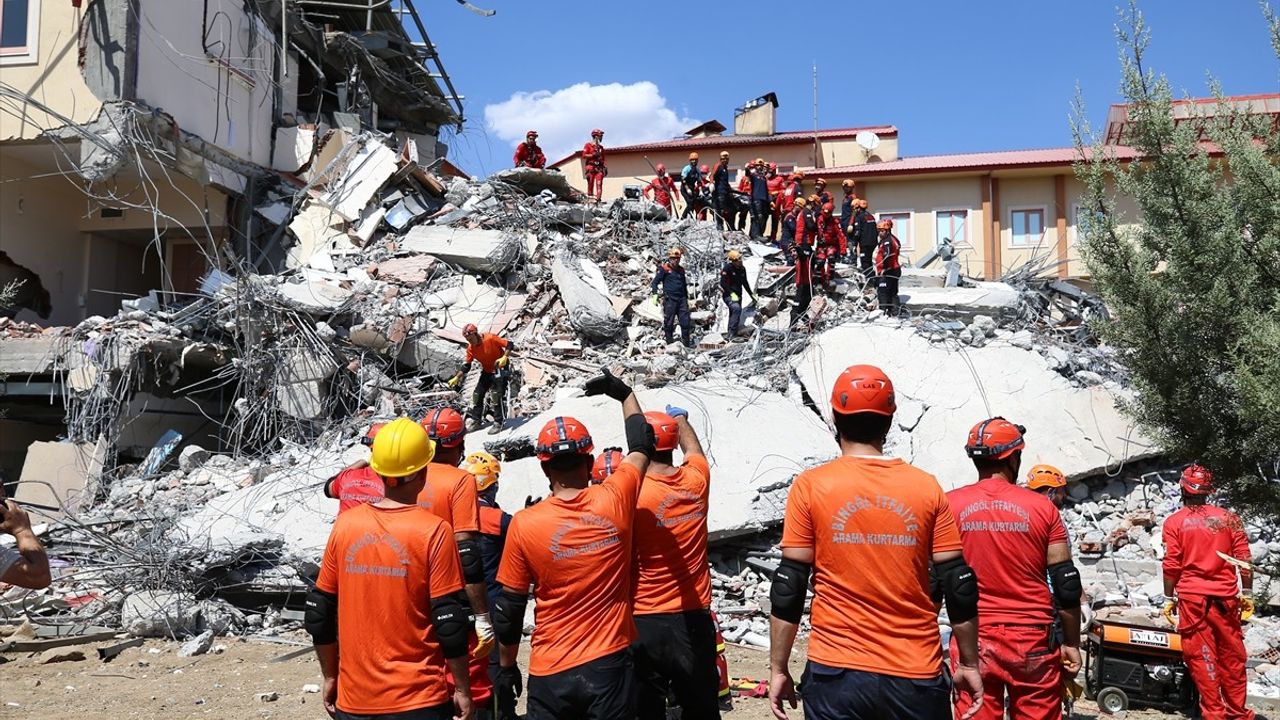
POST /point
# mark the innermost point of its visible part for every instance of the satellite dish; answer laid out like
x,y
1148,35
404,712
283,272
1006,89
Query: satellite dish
x,y
867,139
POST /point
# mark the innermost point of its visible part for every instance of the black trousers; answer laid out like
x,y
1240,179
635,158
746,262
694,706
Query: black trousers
x,y
675,653
676,309
832,693
439,712
804,295
867,262
725,209
735,315
759,214
494,384
887,291
603,689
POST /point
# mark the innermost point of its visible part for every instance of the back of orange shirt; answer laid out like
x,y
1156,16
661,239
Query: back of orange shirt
x,y
487,352
672,574
385,565
450,494
578,554
873,524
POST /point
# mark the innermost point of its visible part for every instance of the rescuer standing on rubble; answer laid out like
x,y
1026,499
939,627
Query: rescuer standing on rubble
x,y
486,469
758,176
733,283
722,194
864,227
1209,595
776,185
849,208
593,165
804,261
575,548
388,617
663,189
675,297
867,527
790,226
357,483
528,154
690,184
830,245
675,649
888,268
492,352
1017,544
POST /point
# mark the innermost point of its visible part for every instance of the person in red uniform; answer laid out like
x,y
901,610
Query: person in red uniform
x,y
744,198
804,252
1015,540
888,267
868,527
593,165
1209,596
528,154
493,354
675,647
776,184
792,190
820,189
575,548
829,241
663,188
357,483
791,223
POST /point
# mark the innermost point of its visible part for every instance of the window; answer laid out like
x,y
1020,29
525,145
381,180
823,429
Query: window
x,y
901,227
1028,228
1083,218
18,24
951,225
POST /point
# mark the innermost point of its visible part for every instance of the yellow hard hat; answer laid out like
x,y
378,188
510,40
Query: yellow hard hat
x,y
485,467
1045,476
734,255
401,449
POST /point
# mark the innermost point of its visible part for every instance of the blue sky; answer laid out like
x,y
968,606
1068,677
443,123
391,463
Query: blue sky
x,y
952,76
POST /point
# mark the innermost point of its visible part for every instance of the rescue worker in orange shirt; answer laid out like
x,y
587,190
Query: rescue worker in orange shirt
x,y
575,548
743,198
1017,544
357,483
528,154
663,188
388,617
493,354
493,535
1209,595
868,527
594,168
675,651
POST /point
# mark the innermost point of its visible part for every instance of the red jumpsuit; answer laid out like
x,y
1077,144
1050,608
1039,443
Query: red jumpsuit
x,y
787,198
1208,608
776,184
594,168
529,156
830,241
664,189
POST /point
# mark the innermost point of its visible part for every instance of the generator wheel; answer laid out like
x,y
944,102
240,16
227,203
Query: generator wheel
x,y
1112,700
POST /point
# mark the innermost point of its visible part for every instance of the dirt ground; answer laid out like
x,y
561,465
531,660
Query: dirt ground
x,y
153,681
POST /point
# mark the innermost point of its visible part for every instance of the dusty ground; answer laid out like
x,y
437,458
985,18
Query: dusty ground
x,y
152,681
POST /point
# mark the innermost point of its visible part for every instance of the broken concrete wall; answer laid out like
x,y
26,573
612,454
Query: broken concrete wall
x,y
590,311
485,251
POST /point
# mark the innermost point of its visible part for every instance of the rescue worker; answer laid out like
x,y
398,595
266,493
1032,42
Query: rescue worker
x,y
743,198
1049,482
759,179
494,523
791,224
786,200
594,168
1017,545
690,183
867,527
888,268
675,297
733,283
26,564
776,184
829,244
705,200
528,154
357,483
811,211
722,193
606,462
675,648
388,617
803,260
575,548
493,354
663,189
848,208
820,189
1209,596
868,235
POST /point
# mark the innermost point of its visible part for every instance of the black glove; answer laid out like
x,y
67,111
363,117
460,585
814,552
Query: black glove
x,y
530,501
607,384
507,686
640,435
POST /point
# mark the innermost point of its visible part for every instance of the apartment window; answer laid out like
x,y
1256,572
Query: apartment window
x,y
18,30
952,225
1027,226
901,227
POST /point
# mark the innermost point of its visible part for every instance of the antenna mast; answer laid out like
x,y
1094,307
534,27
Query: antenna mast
x,y
815,114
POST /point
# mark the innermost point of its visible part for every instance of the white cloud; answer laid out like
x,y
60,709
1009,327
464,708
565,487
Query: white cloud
x,y
564,118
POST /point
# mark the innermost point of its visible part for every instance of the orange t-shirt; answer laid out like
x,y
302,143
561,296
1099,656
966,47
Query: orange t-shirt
x,y
356,486
450,494
578,554
385,565
670,536
874,523
487,352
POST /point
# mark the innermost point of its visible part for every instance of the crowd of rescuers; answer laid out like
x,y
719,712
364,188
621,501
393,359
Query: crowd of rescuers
x,y
419,608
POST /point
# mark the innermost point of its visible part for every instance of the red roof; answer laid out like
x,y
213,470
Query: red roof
x,y
782,138
969,161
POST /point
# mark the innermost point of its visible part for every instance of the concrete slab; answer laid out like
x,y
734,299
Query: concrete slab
x,y
922,278
317,296
488,307
432,355
534,181
29,356
986,298
318,231
1079,430
370,168
485,251
590,311
61,475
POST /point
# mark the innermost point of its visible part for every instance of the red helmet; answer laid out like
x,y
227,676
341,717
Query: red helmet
x,y
1197,480
608,461
828,208
863,388
704,169
773,167
660,168
597,133
470,328
665,434
995,439
445,426
563,436
531,133
367,440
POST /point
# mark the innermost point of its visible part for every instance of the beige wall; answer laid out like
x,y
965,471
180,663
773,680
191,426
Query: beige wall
x,y
838,153
1028,193
51,76
922,198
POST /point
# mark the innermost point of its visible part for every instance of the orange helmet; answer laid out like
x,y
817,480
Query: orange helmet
x,y
1197,480
798,175
863,389
1045,476
608,461
563,436
995,439
693,156
846,183
665,435
820,181
367,440
885,224
445,426
470,328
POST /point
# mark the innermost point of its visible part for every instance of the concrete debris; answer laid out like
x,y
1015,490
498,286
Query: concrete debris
x,y
590,311
482,251
57,655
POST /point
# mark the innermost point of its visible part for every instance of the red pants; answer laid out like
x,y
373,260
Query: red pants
x,y
1018,661
774,223
595,184
478,669
1213,648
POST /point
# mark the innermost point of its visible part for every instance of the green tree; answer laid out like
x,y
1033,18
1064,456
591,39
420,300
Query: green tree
x,y
1194,283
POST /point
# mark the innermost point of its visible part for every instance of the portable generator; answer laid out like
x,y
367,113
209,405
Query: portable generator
x,y
1136,665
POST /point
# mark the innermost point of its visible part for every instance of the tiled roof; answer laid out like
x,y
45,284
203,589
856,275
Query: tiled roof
x,y
969,161
720,141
